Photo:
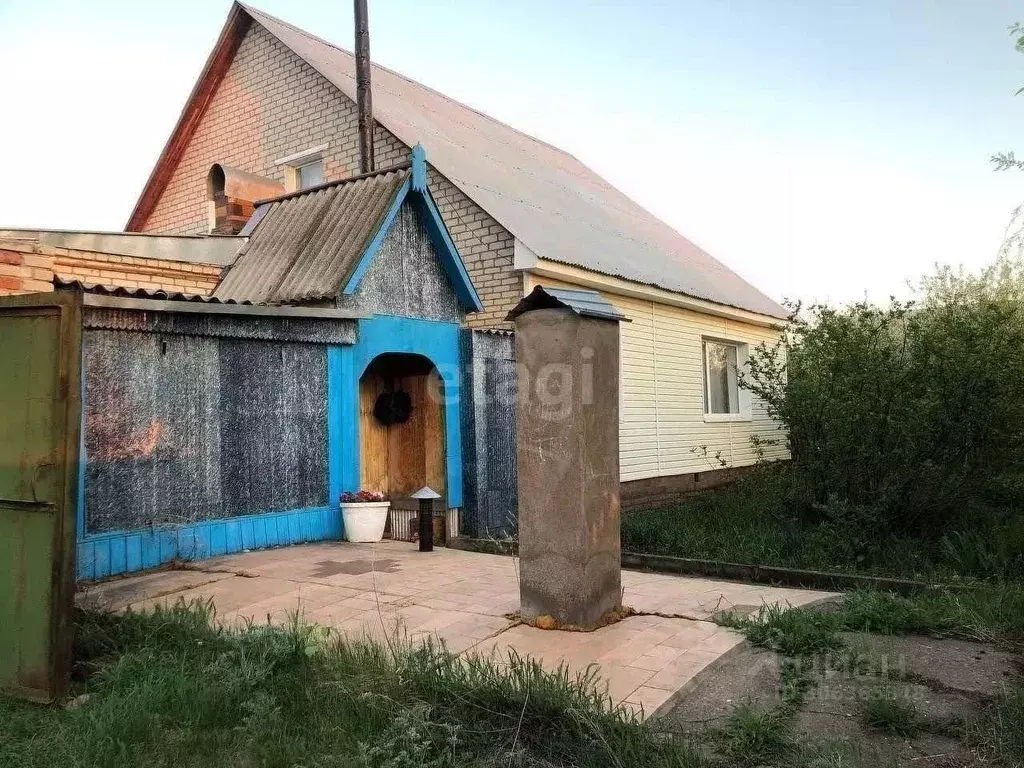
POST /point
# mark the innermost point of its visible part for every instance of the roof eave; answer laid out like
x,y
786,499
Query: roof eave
x,y
223,53
616,284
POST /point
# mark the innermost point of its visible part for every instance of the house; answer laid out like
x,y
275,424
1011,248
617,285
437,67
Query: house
x,y
279,102
266,297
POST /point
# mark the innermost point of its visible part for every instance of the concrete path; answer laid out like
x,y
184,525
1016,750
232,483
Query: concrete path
x,y
464,598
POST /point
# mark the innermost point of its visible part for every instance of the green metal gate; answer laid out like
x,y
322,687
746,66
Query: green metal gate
x,y
40,420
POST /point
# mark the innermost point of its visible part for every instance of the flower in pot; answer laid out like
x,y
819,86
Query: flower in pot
x,y
364,515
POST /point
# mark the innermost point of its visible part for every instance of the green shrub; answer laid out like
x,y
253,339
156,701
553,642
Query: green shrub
x,y
908,417
754,521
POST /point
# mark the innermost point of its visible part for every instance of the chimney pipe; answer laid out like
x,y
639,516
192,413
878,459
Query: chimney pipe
x,y
364,100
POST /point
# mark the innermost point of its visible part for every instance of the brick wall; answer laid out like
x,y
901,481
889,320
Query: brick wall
x,y
485,247
659,491
25,268
130,272
28,267
271,104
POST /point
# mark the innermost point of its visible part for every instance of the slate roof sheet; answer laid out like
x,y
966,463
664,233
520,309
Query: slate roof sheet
x,y
100,289
305,246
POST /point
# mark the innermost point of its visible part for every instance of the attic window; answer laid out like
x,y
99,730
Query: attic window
x,y
304,169
310,174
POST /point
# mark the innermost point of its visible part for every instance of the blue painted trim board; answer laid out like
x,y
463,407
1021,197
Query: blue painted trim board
x,y
419,168
435,340
436,228
450,258
109,554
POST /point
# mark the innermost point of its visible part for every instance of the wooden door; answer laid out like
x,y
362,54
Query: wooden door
x,y
399,459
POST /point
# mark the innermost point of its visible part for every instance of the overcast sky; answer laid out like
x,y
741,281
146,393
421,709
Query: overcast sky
x,y
821,149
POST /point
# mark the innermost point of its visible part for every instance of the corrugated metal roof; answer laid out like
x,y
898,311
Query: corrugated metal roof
x,y
550,201
61,284
579,300
306,245
118,297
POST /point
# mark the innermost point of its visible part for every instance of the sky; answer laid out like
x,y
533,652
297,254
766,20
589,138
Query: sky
x,y
825,151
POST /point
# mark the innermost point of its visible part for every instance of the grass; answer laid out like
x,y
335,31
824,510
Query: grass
x,y
988,613
790,632
1000,732
884,711
795,680
755,736
754,521
172,689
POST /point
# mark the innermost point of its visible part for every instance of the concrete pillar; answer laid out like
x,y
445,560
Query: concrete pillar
x,y
567,420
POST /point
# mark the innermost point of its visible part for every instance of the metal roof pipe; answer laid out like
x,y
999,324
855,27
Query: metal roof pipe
x,y
364,100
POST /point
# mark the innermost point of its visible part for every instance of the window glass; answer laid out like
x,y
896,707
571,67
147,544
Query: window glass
x,y
311,175
721,388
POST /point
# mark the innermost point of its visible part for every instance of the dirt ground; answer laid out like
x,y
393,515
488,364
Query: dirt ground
x,y
947,682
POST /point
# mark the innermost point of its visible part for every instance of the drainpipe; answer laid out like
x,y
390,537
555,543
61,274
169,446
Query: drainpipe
x,y
364,101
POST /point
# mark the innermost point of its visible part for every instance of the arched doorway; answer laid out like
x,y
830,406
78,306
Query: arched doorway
x,y
402,426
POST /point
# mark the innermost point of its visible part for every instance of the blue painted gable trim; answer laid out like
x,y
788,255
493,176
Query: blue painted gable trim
x,y
419,168
450,258
436,228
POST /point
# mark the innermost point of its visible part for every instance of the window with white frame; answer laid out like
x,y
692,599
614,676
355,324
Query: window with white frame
x,y
311,174
722,395
304,169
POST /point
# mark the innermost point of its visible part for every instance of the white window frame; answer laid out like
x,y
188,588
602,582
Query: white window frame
x,y
742,395
293,162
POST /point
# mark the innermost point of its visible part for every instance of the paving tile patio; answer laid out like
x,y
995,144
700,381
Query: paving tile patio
x,y
464,599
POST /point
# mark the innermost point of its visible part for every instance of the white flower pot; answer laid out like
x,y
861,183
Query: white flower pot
x,y
364,520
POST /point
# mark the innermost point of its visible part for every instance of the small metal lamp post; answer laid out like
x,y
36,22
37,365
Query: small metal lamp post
x,y
426,496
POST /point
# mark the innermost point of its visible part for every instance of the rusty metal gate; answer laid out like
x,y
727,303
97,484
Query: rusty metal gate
x,y
40,420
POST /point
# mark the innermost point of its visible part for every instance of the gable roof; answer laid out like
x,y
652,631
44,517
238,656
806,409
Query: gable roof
x,y
305,247
317,244
552,203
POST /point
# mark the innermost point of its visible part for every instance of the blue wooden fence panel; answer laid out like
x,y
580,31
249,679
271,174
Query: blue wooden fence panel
x,y
110,554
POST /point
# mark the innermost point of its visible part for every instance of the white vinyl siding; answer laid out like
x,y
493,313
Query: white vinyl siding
x,y
662,419
638,411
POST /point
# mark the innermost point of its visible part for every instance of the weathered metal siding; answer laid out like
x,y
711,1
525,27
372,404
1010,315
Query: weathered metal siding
x,y
314,330
273,407
182,428
489,433
406,277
